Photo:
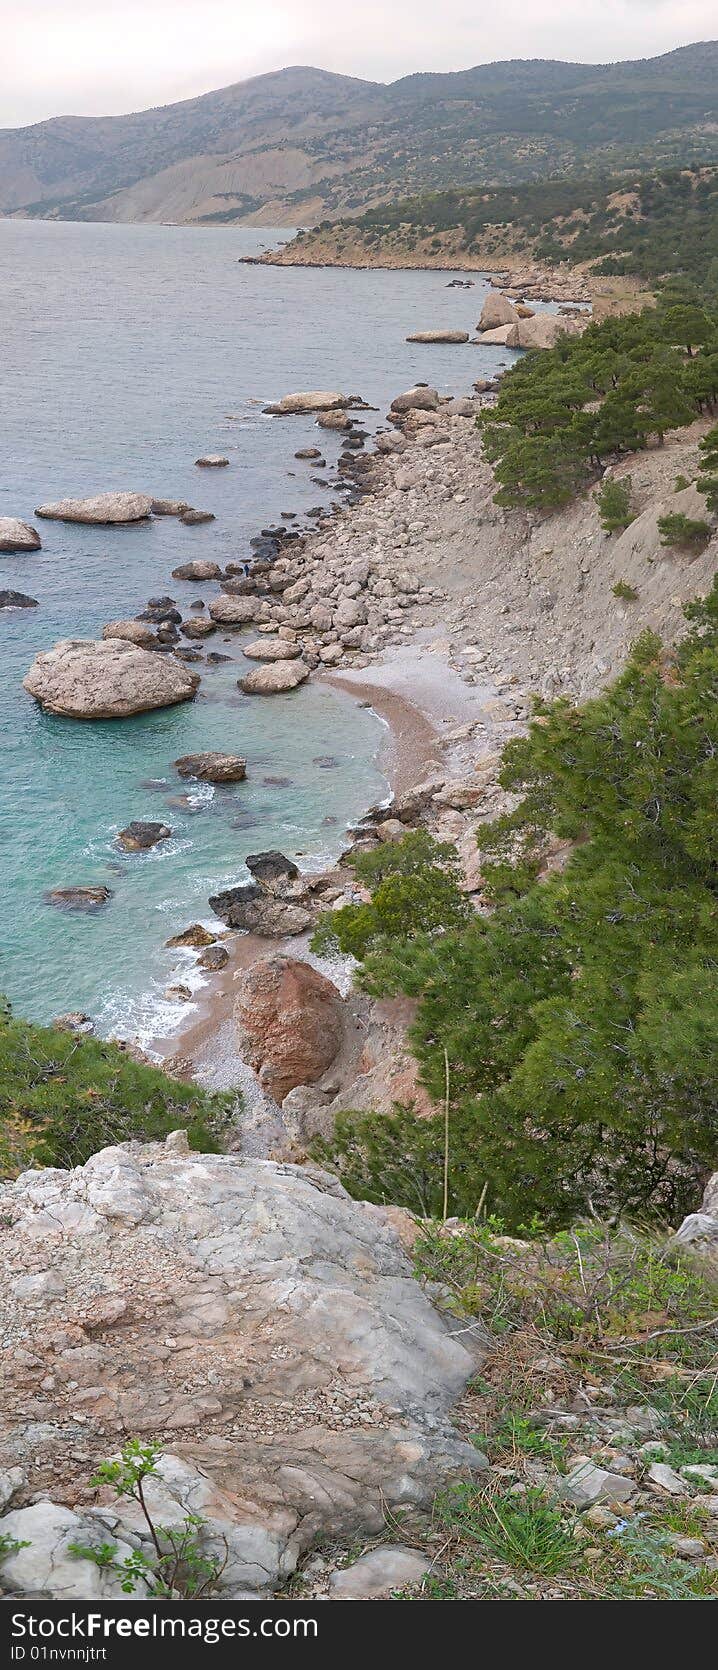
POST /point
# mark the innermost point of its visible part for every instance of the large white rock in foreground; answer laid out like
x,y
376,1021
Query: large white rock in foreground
x,y
261,1326
18,536
109,679
105,509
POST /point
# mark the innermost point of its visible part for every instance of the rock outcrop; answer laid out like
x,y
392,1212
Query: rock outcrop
x,y
140,836
109,679
105,509
200,569
699,1231
289,1019
496,311
313,400
251,1319
274,678
419,399
17,600
212,767
544,329
234,611
18,536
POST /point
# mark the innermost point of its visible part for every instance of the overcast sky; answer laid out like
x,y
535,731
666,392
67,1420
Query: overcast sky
x,y
96,57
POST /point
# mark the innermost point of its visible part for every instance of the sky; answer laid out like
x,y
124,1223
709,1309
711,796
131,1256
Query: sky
x,y
103,57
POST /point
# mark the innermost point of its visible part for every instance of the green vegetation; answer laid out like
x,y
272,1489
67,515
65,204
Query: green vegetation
x,y
686,532
178,1564
614,502
62,1097
708,477
576,1027
525,1532
561,415
626,593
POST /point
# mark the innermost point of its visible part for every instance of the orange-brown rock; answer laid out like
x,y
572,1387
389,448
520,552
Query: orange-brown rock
x,y
290,1023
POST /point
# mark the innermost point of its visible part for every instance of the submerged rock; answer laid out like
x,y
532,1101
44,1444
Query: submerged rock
x,y
104,508
290,1023
75,1021
211,462
112,679
78,898
169,507
140,836
332,1375
193,518
18,536
212,767
270,680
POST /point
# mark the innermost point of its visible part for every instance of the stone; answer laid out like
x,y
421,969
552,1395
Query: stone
x,y
179,993
212,767
193,937
419,399
132,631
307,452
11,1481
79,898
496,311
139,836
350,612
110,679
18,536
290,1023
258,1325
169,507
74,1021
17,600
391,830
105,509
274,678
214,958
271,649
462,407
545,329
271,869
233,611
194,518
334,420
258,911
198,629
376,1575
666,1479
688,1548
315,400
699,1230
497,338
200,569
212,461
439,336
586,1484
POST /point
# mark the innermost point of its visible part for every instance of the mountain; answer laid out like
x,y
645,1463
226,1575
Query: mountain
x,y
302,144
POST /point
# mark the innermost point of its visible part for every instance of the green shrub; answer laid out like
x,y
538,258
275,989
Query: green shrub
x,y
526,1532
614,502
62,1097
685,532
622,590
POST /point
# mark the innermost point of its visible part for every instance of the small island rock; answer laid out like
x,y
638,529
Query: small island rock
x,y
18,536
212,767
110,679
104,509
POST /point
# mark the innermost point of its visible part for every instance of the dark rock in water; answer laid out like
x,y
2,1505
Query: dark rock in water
x,y
193,518
212,767
197,628
170,507
194,938
197,603
17,600
140,836
78,898
154,784
271,867
211,461
161,603
255,909
328,822
214,958
161,614
278,782
189,654
326,762
214,658
74,1021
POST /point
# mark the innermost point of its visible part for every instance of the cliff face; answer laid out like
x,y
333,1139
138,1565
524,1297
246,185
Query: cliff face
x,y
291,147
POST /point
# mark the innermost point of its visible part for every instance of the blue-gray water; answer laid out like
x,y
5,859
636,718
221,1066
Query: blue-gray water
x,y
126,352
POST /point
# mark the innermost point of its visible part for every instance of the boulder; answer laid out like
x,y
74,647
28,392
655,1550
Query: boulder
x,y
333,420
192,938
105,509
212,767
193,518
495,312
111,679
212,461
233,611
290,1023
198,628
586,1483
544,330
308,1394
498,337
132,631
214,958
419,399
79,898
258,911
316,400
169,507
274,678
439,336
376,1575
17,600
140,836
699,1231
18,536
307,452
272,649
75,1020
198,570
271,869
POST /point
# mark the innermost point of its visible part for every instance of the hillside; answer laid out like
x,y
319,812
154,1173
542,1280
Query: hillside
x,y
642,224
301,144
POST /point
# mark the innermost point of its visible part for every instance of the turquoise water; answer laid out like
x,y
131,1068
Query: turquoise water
x,y
125,352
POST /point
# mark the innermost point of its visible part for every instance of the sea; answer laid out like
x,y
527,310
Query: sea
x,y
126,352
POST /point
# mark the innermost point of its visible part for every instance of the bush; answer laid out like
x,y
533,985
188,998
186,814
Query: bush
x,y
627,593
580,1020
614,503
62,1097
685,532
